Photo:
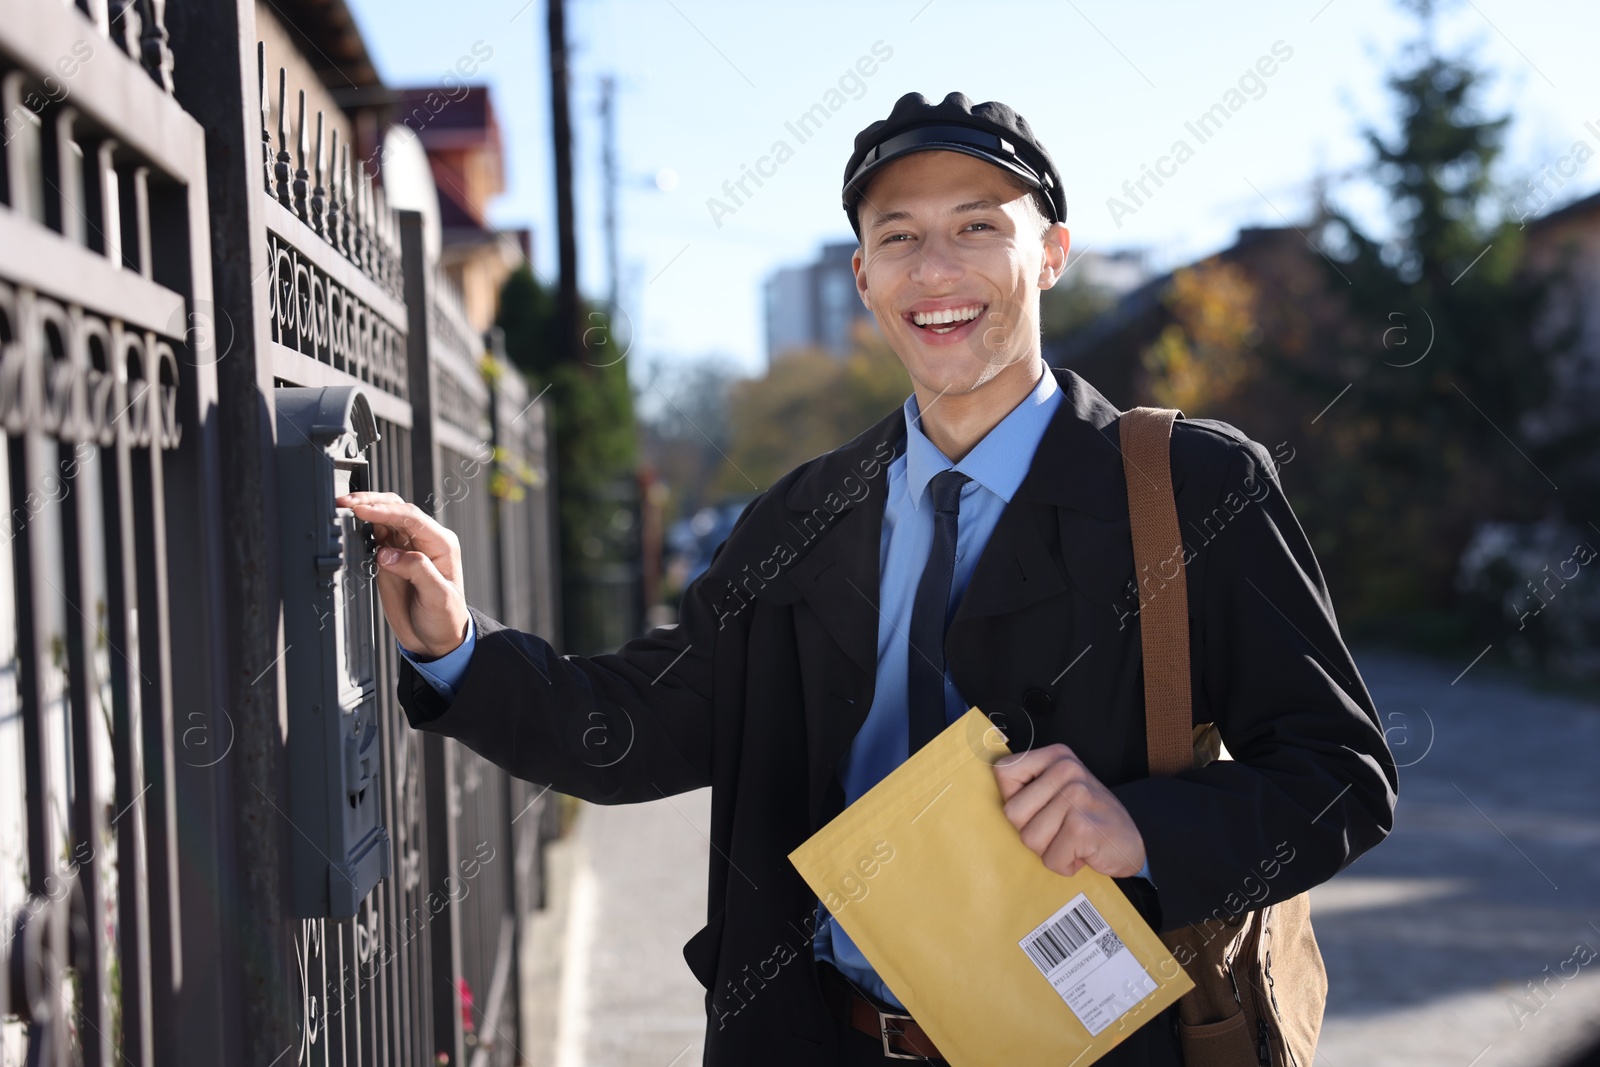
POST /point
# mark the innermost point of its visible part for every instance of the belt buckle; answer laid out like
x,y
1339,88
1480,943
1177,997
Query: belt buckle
x,y
883,1033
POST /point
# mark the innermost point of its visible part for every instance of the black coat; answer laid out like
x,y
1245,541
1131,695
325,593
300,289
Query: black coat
x,y
759,688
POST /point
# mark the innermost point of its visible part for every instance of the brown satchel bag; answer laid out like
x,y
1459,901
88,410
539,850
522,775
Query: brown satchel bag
x,y
1260,984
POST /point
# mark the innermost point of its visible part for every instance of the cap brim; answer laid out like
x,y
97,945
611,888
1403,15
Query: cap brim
x,y
859,182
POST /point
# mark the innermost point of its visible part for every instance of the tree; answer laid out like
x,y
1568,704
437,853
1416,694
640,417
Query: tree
x,y
595,443
1071,304
1407,373
1204,355
1431,444
684,428
807,403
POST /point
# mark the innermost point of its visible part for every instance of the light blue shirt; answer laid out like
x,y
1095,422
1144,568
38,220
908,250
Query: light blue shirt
x,y
996,467
444,673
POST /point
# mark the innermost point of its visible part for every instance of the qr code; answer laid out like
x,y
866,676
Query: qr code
x,y
1110,943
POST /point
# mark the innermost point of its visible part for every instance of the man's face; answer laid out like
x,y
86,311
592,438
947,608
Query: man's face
x,y
949,236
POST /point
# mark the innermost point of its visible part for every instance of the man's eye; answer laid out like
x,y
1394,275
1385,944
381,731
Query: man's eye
x,y
892,236
980,224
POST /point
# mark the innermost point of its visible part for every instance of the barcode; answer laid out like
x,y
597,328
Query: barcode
x,y
1110,943
1054,942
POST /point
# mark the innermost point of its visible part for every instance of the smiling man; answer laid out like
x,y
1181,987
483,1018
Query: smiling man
x,y
970,548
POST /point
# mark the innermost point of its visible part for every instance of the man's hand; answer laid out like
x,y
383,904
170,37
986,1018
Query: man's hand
x,y
419,573
1066,815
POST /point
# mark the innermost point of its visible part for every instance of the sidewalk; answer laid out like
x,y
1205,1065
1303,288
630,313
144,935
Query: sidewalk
x,y
607,985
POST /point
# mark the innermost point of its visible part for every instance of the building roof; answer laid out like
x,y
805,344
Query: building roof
x,y
466,120
1137,304
326,34
1568,212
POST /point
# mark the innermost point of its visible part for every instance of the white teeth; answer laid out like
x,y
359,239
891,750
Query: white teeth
x,y
926,318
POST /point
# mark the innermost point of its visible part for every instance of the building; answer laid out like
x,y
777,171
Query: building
x,y
1106,350
815,305
458,129
1113,273
1567,241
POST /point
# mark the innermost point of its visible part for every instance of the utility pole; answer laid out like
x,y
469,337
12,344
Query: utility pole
x,y
608,169
568,312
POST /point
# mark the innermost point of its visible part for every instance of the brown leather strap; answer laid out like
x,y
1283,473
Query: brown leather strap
x,y
903,1034
1146,435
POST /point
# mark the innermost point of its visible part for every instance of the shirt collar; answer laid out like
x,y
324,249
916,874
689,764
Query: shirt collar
x,y
999,461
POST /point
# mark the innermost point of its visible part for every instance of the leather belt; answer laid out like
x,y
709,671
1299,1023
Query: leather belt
x,y
902,1036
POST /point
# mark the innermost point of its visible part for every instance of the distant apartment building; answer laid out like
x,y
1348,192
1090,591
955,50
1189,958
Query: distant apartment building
x,y
815,305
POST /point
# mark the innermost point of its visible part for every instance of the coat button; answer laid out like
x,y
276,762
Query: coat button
x,y
1037,702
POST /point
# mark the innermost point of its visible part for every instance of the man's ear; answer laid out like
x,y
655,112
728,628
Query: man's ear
x,y
1057,244
856,263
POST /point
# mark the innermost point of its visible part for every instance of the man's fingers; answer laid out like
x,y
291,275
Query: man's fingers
x,y
1021,769
368,498
1041,826
1076,843
1063,865
1009,787
1014,776
1063,835
1060,782
417,601
417,570
1060,836
1066,816
400,524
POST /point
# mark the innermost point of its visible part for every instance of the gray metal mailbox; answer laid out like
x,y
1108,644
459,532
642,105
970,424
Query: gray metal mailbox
x,y
341,847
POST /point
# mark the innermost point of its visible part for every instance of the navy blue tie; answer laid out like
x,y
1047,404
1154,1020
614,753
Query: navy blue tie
x,y
930,614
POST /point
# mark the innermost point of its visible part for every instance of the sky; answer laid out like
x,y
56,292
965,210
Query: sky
x,y
706,87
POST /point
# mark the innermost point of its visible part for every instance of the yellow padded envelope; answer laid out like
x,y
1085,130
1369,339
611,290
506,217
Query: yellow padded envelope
x,y
1002,960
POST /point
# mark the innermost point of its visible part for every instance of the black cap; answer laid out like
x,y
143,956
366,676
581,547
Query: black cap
x,y
990,131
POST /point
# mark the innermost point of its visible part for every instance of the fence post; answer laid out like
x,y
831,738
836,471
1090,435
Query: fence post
x,y
216,82
438,762
419,369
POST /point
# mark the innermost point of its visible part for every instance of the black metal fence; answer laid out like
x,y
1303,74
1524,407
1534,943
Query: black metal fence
x,y
177,243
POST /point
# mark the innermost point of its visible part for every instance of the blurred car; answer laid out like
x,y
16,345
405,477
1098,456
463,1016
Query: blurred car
x,y
692,541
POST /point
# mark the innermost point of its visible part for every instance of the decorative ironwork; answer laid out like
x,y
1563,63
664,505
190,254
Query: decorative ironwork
x,y
349,212
447,321
50,381
280,170
139,29
155,53
316,316
319,195
300,174
455,405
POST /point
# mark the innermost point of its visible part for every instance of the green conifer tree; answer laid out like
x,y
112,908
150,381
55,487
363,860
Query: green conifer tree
x,y
1450,372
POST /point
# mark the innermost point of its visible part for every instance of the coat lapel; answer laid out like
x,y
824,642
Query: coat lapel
x,y
1067,520
839,579
836,627
1073,494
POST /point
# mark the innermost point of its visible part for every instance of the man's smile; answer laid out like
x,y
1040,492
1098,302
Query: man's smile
x,y
945,319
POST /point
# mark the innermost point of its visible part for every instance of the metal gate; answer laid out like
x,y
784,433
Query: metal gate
x,y
177,243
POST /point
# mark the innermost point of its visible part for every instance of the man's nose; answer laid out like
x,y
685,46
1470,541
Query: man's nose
x,y
938,262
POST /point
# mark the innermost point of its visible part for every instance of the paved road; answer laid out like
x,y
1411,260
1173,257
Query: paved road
x,y
1490,882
